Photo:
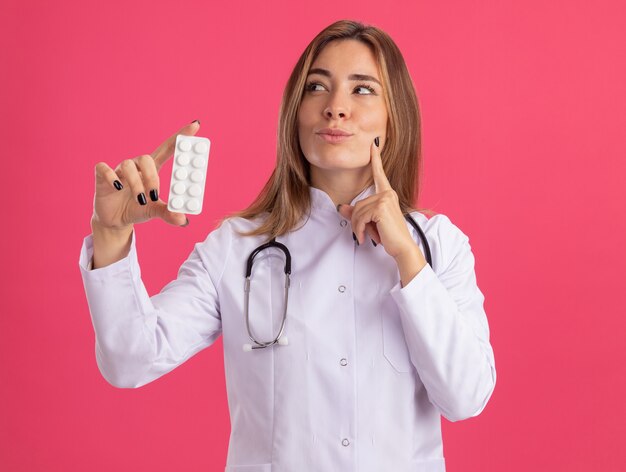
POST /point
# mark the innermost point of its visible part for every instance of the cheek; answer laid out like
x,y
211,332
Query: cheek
x,y
374,120
304,138
305,111
304,120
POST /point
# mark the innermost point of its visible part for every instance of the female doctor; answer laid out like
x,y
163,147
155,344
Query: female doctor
x,y
347,359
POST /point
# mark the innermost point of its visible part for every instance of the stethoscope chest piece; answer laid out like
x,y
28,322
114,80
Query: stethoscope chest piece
x,y
282,340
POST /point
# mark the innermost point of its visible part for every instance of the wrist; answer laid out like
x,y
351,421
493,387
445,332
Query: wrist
x,y
109,244
410,263
411,254
110,233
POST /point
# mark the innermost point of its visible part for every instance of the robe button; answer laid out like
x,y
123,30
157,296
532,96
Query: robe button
x,y
344,361
345,442
341,288
343,223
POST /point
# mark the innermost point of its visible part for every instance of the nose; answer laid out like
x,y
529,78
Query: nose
x,y
334,113
336,107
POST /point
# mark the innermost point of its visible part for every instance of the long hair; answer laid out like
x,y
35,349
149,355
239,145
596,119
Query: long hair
x,y
286,195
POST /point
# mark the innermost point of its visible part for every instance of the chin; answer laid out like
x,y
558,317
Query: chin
x,y
336,166
338,160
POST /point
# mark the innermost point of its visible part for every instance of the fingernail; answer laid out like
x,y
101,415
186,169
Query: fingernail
x,y
142,198
154,195
118,185
376,141
374,243
355,239
338,205
194,121
186,222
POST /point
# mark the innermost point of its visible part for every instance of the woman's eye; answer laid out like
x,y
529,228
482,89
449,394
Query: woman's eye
x,y
368,90
359,89
312,87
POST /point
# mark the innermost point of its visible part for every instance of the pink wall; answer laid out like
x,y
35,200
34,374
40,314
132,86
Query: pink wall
x,y
523,121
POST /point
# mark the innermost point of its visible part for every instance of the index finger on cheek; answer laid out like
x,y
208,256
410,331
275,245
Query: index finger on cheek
x,y
378,172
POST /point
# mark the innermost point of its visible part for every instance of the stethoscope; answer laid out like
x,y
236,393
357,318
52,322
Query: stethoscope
x,y
280,339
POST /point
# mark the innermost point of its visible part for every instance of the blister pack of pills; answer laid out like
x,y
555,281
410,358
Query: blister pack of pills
x,y
191,158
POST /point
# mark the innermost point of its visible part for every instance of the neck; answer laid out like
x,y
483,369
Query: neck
x,y
343,185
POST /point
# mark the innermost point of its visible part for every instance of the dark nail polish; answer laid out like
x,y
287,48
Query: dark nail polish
x,y
355,239
154,195
118,185
374,243
338,205
377,142
194,121
142,199
186,222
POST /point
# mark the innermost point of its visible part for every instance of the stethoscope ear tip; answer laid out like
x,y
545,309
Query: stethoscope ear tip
x,y
247,347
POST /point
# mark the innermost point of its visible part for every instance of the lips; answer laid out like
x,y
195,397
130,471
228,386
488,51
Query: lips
x,y
329,138
334,132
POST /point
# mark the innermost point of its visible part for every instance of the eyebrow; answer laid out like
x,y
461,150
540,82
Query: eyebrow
x,y
326,73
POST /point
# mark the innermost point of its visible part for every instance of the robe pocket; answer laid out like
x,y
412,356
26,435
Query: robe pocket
x,y
395,348
429,465
250,468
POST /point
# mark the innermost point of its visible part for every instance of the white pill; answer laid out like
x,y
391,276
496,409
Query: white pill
x,y
193,205
184,145
200,148
195,190
181,174
196,176
183,159
198,163
179,188
177,203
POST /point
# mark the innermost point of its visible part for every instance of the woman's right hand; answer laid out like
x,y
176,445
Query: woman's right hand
x,y
137,201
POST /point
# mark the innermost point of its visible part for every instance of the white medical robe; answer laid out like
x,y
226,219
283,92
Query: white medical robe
x,y
369,367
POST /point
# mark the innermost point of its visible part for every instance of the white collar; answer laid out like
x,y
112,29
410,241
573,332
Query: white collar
x,y
322,201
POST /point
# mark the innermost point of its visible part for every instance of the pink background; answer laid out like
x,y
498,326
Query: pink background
x,y
523,122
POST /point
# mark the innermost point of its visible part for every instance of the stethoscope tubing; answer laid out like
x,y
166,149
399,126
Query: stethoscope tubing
x,y
280,339
422,236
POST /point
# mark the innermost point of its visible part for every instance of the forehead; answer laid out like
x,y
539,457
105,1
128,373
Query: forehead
x,y
347,55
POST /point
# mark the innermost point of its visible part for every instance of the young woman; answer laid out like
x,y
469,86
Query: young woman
x,y
351,322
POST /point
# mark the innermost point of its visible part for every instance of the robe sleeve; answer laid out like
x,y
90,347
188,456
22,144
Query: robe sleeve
x,y
139,338
445,325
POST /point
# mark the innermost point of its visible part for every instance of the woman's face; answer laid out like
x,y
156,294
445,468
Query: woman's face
x,y
343,93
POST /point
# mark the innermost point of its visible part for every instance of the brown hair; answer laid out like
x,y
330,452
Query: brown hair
x,y
286,194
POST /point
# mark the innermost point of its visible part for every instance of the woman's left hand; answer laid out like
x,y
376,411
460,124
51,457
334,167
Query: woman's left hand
x,y
380,216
